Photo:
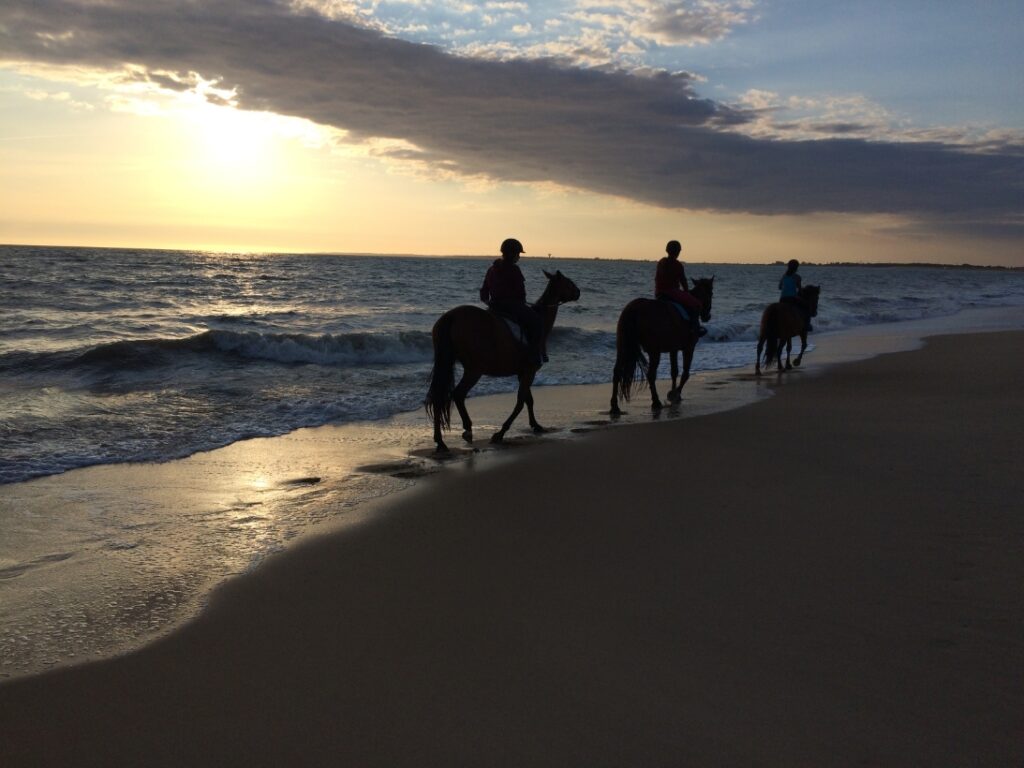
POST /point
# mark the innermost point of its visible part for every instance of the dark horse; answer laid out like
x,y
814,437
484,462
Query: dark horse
x,y
655,326
780,322
485,346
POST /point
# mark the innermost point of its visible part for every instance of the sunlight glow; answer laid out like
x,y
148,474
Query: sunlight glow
x,y
230,148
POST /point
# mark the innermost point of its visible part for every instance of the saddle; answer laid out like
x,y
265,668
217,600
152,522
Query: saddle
x,y
517,330
679,308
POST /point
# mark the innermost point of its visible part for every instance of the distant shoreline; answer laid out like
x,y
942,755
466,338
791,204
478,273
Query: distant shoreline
x,y
923,264
357,254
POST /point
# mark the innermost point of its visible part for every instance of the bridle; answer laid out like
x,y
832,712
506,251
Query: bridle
x,y
542,304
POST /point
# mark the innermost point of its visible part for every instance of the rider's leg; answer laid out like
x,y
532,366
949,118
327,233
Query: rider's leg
x,y
693,308
533,328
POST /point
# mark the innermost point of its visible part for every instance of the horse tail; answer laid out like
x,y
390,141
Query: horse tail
x,y
630,360
770,333
438,402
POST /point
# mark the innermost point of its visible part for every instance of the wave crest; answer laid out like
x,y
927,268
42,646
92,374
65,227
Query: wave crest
x,y
325,349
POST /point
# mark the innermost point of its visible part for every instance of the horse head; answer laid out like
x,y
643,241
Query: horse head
x,y
809,295
560,289
703,290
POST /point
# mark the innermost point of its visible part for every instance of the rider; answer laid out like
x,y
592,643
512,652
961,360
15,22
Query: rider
x,y
790,285
670,283
504,291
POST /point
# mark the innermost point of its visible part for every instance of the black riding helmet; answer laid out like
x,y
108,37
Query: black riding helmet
x,y
511,247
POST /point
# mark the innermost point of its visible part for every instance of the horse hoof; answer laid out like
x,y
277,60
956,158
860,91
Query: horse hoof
x,y
796,363
442,449
498,437
656,406
468,436
538,430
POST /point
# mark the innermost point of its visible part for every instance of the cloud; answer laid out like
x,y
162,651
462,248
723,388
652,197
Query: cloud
x,y
61,96
644,135
694,22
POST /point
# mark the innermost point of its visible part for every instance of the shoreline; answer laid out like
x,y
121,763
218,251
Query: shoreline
x,y
838,585
141,546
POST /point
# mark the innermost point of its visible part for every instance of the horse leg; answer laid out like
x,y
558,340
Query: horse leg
x,y
803,346
760,349
652,375
524,390
789,349
687,362
438,439
674,395
469,380
537,428
615,410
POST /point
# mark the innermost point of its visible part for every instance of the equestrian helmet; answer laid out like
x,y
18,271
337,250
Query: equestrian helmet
x,y
511,247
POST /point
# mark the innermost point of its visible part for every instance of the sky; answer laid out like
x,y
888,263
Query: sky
x,y
750,130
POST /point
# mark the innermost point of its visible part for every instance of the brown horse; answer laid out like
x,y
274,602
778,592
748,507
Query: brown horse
x,y
780,322
483,344
655,326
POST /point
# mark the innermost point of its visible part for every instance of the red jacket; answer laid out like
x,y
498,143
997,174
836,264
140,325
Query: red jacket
x,y
669,276
670,281
503,284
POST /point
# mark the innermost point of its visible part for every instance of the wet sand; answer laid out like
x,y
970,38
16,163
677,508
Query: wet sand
x,y
831,576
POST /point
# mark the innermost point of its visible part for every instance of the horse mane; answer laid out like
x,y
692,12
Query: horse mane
x,y
808,290
545,297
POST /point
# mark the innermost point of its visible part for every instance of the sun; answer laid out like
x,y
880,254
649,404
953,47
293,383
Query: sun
x,y
231,147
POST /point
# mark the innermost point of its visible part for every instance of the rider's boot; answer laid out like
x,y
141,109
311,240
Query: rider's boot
x,y
536,355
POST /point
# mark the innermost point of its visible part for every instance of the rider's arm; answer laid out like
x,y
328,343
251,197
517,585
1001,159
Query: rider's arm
x,y
485,289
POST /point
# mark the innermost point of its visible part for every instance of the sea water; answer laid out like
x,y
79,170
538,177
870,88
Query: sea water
x,y
115,362
112,356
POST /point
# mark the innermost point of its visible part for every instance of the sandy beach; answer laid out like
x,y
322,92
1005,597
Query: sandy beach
x,y
830,576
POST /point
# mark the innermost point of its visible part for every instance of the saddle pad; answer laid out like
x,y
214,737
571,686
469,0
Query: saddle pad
x,y
516,328
680,309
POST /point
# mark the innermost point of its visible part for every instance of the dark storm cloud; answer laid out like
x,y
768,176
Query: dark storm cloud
x,y
646,137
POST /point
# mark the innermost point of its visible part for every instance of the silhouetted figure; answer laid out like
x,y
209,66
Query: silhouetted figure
x,y
781,322
670,283
504,291
789,287
481,341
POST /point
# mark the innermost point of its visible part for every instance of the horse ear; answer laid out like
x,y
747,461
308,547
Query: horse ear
x,y
558,272
547,274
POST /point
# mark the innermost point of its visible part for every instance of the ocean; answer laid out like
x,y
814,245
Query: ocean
x,y
294,385
117,355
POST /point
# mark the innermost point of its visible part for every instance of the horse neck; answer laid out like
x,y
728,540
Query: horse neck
x,y
547,308
702,296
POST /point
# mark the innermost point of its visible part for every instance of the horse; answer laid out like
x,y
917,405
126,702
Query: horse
x,y
655,326
780,322
485,346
